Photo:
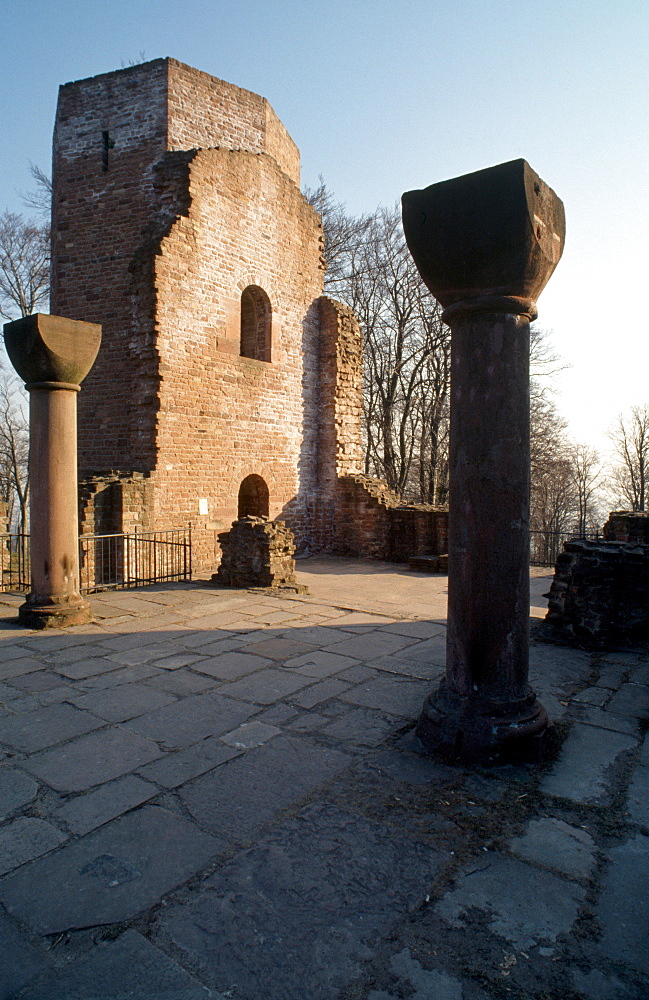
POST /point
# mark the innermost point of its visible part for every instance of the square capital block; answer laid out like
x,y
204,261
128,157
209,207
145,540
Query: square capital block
x,y
44,348
496,232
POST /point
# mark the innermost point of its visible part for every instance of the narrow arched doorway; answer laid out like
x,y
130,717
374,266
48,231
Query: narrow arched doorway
x,y
253,497
255,324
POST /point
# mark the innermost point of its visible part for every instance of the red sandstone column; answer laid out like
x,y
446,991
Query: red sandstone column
x,y
486,245
53,355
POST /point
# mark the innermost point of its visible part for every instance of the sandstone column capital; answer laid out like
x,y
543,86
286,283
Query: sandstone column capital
x,y
48,349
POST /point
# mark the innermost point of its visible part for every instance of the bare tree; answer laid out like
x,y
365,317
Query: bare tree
x,y
39,199
406,347
343,236
24,265
630,437
14,451
588,481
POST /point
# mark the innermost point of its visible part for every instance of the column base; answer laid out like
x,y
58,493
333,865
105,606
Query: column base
x,y
480,730
54,614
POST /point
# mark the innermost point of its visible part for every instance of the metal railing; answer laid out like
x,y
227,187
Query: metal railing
x,y
15,568
546,546
108,562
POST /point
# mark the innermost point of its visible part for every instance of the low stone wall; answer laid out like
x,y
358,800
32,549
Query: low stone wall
x,y
600,592
257,553
627,526
371,521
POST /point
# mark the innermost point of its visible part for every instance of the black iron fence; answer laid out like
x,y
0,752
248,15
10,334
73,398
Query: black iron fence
x,y
545,546
108,561
15,568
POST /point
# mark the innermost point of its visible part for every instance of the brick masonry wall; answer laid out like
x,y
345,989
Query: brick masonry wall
x,y
173,192
371,521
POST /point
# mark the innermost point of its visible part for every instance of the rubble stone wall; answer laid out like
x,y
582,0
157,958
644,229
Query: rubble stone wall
x,y
627,526
600,591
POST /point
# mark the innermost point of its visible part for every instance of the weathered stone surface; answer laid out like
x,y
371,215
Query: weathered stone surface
x,y
16,790
130,967
110,875
21,961
92,760
47,726
257,553
363,727
630,701
86,812
176,768
116,704
297,915
600,591
24,839
555,844
250,734
580,773
639,796
623,908
236,800
190,720
504,889
266,687
393,695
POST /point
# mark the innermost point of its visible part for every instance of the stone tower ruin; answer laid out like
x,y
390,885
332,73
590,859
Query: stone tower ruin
x,y
225,384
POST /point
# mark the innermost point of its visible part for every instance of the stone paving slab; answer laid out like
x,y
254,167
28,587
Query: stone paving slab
x,y
16,790
130,968
638,801
581,770
190,720
46,727
330,883
176,768
395,695
230,665
266,687
24,839
555,844
92,760
525,906
20,961
87,812
238,799
111,875
623,909
117,704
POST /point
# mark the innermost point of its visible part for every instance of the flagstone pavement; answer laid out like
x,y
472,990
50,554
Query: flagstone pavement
x,y
218,793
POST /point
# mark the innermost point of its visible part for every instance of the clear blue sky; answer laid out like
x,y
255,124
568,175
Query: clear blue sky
x,y
383,96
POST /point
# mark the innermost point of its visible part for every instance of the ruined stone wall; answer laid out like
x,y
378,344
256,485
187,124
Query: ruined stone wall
x,y
156,238
600,591
204,112
371,521
176,197
223,417
103,201
627,526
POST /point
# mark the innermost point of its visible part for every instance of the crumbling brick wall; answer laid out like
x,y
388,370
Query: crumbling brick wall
x,y
175,198
372,521
627,526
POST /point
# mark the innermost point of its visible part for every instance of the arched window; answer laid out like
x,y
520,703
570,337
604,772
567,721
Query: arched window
x,y
255,324
253,497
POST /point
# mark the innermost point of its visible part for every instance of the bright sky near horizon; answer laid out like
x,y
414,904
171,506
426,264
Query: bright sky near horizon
x,y
383,96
